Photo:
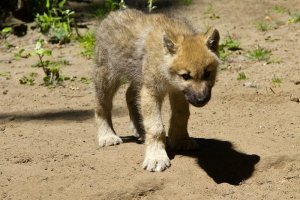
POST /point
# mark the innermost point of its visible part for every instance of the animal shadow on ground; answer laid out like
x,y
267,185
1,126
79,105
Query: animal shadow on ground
x,y
221,161
48,115
131,139
51,115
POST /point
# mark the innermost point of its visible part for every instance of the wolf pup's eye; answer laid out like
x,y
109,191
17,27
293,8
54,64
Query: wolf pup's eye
x,y
206,74
186,76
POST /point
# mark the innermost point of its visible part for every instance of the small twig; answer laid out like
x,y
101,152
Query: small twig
x,y
272,90
291,177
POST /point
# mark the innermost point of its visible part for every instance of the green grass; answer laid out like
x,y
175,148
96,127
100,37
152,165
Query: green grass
x,y
87,41
280,9
21,54
231,44
211,13
6,75
28,80
85,80
260,54
227,47
108,6
274,61
276,80
241,76
295,17
187,2
4,33
224,55
264,26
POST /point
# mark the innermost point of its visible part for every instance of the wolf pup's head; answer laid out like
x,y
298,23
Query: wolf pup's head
x,y
191,64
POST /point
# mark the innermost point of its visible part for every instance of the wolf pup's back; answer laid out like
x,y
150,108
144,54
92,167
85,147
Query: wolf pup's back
x,y
124,37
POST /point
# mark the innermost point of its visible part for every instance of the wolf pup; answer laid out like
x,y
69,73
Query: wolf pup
x,y
158,55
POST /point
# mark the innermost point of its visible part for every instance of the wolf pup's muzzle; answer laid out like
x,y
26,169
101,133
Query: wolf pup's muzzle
x,y
198,99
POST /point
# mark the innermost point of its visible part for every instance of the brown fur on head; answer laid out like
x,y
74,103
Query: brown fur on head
x,y
193,63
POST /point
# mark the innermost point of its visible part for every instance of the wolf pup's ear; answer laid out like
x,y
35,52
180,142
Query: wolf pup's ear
x,y
169,43
212,40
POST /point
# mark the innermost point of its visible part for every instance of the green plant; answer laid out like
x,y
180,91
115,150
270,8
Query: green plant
x,y
53,77
122,4
227,47
85,80
260,54
88,43
51,69
21,54
280,9
264,26
110,5
28,80
224,55
294,17
187,2
56,22
5,32
6,75
210,11
150,5
276,80
241,76
274,61
231,44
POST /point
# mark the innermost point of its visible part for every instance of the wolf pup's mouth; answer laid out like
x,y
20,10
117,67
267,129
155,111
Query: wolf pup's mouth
x,y
196,99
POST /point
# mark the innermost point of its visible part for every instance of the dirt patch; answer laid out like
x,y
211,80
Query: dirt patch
x,y
249,136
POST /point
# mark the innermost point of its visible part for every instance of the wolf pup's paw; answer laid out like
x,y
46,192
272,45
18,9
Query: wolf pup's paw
x,y
109,140
156,159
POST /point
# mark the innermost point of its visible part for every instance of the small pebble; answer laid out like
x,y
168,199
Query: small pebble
x,y
5,92
295,99
249,84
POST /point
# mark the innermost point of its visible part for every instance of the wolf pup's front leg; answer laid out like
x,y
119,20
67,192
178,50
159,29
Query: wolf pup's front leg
x,y
178,137
156,158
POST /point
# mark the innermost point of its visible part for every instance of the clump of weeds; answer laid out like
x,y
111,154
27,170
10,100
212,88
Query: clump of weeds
x,y
241,76
276,81
211,13
294,17
56,22
108,6
229,46
264,26
5,32
280,9
87,41
28,80
260,54
6,75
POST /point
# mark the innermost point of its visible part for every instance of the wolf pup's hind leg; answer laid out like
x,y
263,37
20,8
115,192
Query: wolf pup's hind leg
x,y
105,86
132,95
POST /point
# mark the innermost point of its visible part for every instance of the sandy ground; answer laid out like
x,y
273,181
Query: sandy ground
x,y
249,137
